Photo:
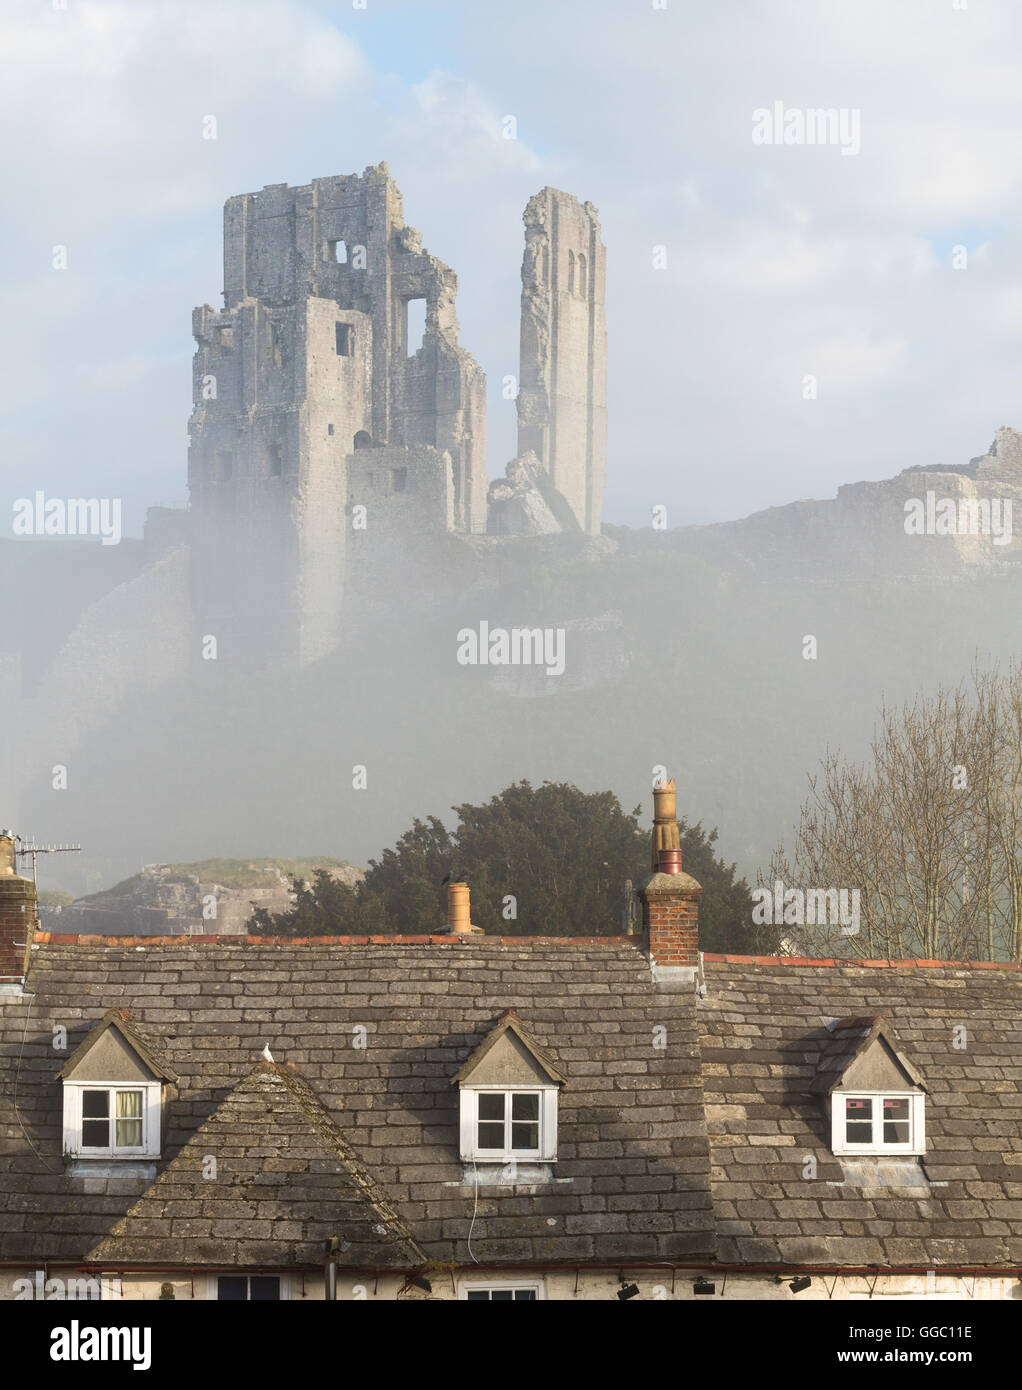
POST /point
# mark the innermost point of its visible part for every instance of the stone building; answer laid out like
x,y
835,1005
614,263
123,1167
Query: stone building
x,y
467,1117
562,399
308,383
309,360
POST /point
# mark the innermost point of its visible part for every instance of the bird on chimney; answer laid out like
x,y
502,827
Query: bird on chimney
x,y
266,1054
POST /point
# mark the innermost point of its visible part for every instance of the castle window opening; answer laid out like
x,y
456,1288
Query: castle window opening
x,y
275,347
571,272
329,429
415,325
363,440
399,479
344,340
225,339
275,463
582,277
337,251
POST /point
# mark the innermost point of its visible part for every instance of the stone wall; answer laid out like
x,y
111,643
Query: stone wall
x,y
562,400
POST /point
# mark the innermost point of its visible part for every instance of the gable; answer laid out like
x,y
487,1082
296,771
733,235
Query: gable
x,y
518,1054
508,1062
876,1068
110,1058
282,1166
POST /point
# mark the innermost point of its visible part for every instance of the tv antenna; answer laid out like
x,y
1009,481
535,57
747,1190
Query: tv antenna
x,y
33,849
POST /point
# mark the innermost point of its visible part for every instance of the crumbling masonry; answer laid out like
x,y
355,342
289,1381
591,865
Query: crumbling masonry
x,y
311,403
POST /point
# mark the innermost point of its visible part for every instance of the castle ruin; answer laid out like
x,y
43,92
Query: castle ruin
x,y
315,411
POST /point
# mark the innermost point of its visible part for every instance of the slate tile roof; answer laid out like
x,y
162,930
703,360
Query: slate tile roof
x,y
848,1039
267,1178
689,1130
632,1135
763,1033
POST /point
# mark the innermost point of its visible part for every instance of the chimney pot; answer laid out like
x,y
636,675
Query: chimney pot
x,y
459,911
669,861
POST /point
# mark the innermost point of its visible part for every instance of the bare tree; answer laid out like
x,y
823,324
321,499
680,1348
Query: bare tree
x,y
927,831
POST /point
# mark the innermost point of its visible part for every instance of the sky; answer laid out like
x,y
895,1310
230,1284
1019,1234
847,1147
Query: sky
x,y
777,262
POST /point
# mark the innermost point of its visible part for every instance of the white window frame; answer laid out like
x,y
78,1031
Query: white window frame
x,y
547,1148
916,1144
151,1102
499,1285
213,1292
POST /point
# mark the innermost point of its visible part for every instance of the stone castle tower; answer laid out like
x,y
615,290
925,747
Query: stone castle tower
x,y
309,362
562,400
311,402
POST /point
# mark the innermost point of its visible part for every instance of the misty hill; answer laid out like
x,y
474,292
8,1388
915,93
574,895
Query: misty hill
x,y
690,662
172,899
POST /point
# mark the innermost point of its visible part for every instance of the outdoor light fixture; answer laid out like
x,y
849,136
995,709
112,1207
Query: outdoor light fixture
x,y
628,1291
802,1282
701,1286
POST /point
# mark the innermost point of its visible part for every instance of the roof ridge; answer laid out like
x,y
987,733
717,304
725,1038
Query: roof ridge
x,y
354,1173
893,963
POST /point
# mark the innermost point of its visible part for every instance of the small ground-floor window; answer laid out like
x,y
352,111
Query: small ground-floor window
x,y
502,1292
248,1287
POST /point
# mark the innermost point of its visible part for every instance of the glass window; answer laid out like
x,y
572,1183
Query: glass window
x,y
896,1120
501,1295
111,1119
491,1120
859,1120
95,1119
525,1120
129,1120
242,1288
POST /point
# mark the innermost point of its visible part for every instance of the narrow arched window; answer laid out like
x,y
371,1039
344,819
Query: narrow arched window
x,y
571,272
582,277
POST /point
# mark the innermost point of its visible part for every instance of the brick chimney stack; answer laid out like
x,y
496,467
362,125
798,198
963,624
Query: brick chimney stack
x,y
670,898
17,915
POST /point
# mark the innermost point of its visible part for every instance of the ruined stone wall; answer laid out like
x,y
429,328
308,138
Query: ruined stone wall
x,y
310,356
562,400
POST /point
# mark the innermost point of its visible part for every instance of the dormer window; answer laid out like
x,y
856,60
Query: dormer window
x,y
509,1093
877,1098
877,1124
505,1123
112,1121
113,1092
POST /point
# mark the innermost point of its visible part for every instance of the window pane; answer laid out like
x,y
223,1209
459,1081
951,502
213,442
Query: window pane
x,y
525,1106
129,1134
896,1121
129,1120
524,1294
491,1136
95,1134
501,1296
232,1287
95,1104
858,1120
264,1287
525,1136
478,1296
491,1105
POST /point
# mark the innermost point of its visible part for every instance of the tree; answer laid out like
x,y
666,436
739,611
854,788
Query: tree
x,y
539,860
928,831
